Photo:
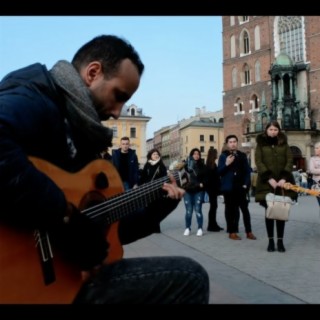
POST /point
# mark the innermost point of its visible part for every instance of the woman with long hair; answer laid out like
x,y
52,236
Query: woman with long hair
x,y
274,165
194,196
212,187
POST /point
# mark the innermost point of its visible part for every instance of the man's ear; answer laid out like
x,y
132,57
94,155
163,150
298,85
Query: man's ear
x,y
91,72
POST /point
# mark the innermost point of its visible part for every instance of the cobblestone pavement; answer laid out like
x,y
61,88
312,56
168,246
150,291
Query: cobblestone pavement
x,y
243,272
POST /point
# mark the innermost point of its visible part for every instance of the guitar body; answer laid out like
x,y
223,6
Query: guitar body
x,y
21,276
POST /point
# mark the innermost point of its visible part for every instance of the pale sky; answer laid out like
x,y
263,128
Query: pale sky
x,y
182,56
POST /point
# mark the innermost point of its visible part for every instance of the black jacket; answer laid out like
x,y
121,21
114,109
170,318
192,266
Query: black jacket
x,y
32,123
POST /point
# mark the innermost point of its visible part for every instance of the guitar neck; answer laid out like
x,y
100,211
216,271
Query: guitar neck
x,y
121,205
296,188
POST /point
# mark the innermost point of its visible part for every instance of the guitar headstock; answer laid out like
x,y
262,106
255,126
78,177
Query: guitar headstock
x,y
177,168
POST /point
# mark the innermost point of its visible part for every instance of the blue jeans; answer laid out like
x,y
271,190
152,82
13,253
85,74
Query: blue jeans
x,y
193,201
153,280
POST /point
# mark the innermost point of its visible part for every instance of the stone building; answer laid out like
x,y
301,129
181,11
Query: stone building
x,y
271,70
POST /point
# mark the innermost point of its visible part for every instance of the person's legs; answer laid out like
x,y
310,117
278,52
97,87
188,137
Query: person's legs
x,y
243,204
198,208
188,202
280,233
270,230
212,214
154,280
232,215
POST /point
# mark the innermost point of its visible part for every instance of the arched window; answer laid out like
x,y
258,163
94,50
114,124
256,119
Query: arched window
x,y
133,111
232,46
257,38
246,73
238,105
246,47
254,102
234,77
244,42
291,36
257,71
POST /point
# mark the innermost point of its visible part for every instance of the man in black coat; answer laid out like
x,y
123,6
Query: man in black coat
x,y
55,115
234,170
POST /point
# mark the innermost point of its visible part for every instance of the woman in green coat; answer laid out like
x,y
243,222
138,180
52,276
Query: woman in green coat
x,y
274,165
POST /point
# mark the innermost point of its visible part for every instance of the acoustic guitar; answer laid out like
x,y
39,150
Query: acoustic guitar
x,y
31,270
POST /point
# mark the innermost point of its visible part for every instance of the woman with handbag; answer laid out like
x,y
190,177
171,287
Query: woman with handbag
x,y
274,165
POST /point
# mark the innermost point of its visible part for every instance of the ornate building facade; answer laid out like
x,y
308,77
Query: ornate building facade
x,y
271,70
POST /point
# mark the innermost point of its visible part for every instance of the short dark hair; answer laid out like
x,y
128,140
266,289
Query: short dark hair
x,y
110,51
230,136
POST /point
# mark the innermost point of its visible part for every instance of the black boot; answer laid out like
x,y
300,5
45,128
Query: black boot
x,y
280,246
271,245
215,228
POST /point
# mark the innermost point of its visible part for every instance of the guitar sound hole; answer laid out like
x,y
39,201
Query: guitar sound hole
x,y
101,181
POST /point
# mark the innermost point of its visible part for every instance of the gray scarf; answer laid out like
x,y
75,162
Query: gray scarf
x,y
79,106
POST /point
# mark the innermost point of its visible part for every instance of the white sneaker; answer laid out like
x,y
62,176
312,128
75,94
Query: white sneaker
x,y
199,232
186,232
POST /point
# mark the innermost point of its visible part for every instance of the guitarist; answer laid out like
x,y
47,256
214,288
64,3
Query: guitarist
x,y
55,115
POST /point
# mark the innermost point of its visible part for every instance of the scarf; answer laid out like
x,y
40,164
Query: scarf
x,y
154,162
272,140
80,110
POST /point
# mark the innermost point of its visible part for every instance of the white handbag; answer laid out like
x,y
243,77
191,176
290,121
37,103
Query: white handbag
x,y
278,206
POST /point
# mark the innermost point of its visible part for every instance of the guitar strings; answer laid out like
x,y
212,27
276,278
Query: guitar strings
x,y
126,202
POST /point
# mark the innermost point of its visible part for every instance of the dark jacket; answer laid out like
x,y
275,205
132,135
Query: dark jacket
x,y
272,162
197,174
213,181
32,123
237,174
151,172
132,164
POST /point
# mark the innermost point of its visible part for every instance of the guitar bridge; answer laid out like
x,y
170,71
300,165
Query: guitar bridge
x,y
46,257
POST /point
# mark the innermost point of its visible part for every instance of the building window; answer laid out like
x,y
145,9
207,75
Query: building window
x,y
233,46
257,38
211,138
133,111
115,131
254,102
243,19
133,133
246,47
239,107
257,71
202,149
291,36
234,77
246,75
244,43
201,137
231,20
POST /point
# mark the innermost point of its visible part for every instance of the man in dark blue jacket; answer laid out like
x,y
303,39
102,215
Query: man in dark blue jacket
x,y
56,116
235,175
126,161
